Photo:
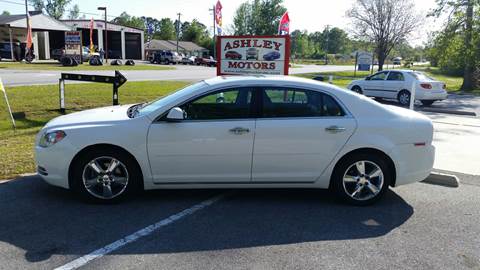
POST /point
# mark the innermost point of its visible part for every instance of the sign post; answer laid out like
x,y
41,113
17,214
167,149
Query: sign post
x,y
8,104
253,55
364,60
117,81
412,94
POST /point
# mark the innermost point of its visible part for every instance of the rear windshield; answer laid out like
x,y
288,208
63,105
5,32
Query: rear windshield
x,y
422,76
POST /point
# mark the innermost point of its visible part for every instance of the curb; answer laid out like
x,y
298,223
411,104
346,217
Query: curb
x,y
442,179
446,111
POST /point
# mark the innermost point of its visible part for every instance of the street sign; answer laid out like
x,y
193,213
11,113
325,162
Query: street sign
x,y
364,60
117,81
253,55
73,45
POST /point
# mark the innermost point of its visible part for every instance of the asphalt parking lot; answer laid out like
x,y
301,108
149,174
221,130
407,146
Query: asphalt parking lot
x,y
419,226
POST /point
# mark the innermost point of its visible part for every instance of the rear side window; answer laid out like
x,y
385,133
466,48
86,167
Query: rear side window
x,y
282,102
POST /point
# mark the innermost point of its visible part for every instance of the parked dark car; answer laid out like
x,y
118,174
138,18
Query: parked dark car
x,y
274,55
233,55
210,62
57,54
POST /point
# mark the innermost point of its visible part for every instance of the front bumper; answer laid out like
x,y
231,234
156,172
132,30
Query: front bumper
x,y
53,163
412,163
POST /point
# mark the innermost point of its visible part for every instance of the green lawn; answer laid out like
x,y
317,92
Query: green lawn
x,y
33,106
85,66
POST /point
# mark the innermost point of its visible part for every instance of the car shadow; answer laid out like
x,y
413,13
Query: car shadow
x,y
45,221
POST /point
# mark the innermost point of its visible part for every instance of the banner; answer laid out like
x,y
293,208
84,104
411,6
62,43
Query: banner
x,y
284,25
92,48
29,37
218,17
241,55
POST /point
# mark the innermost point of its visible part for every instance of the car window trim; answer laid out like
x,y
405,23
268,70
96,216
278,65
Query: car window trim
x,y
161,117
346,113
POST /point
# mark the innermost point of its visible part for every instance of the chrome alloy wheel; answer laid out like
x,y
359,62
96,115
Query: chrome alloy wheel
x,y
363,180
105,177
404,98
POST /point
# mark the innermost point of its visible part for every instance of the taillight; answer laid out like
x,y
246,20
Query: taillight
x,y
426,86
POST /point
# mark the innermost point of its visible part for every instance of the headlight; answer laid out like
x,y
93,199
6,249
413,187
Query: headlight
x,y
51,138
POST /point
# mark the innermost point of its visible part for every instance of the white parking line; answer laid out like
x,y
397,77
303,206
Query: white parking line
x,y
137,235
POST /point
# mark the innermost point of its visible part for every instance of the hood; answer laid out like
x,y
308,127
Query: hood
x,y
105,115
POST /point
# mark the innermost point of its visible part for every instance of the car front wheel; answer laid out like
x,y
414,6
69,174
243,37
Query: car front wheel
x,y
105,175
357,89
361,179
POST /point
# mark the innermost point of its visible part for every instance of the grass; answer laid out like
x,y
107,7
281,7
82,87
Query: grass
x,y
33,106
85,66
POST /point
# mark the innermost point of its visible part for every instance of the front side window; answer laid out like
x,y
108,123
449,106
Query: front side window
x,y
379,76
298,103
224,104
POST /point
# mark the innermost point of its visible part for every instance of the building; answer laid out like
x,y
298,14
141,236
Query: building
x,y
47,34
123,42
185,47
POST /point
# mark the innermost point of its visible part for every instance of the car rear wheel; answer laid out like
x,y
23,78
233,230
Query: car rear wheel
x,y
427,102
105,176
361,179
404,98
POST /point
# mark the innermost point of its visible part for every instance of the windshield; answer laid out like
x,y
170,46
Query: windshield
x,y
422,76
160,102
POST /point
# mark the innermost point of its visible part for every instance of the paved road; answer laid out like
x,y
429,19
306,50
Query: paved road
x,y
418,226
12,77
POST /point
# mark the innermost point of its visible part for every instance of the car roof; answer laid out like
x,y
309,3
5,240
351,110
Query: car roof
x,y
262,80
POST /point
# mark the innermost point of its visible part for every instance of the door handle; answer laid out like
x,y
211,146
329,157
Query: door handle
x,y
239,130
335,129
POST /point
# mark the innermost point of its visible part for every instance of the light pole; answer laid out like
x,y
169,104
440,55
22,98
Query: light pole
x,y
106,33
178,27
214,32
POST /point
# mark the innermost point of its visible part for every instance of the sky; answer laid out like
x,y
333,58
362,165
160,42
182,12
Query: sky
x,y
310,15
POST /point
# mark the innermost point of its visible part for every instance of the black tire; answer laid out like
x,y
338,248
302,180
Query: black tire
x,y
167,62
404,98
344,166
357,89
427,103
134,182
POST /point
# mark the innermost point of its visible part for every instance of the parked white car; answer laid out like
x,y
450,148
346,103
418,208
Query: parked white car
x,y
397,84
239,132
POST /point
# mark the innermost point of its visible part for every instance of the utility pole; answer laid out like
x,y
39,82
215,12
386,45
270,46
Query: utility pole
x,y
178,27
214,32
326,49
106,33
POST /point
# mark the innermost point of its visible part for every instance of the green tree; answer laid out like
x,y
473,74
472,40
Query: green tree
x,y
166,30
5,13
74,13
54,8
462,29
130,21
258,17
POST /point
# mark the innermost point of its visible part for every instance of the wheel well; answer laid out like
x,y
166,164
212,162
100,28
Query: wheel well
x,y
403,90
100,146
373,151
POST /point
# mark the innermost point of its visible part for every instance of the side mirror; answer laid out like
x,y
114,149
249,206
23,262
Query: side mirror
x,y
176,114
368,78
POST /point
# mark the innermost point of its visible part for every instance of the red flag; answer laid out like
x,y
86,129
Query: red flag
x,y
29,34
284,25
91,36
218,17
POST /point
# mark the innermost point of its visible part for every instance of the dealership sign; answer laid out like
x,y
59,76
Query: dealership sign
x,y
73,45
364,60
251,55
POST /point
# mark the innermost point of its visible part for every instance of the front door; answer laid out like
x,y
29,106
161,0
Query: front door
x,y
213,144
375,87
298,134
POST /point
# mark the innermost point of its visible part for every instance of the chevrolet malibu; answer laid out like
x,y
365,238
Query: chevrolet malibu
x,y
239,132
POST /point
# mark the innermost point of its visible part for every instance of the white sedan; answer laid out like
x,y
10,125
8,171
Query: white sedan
x,y
397,84
239,132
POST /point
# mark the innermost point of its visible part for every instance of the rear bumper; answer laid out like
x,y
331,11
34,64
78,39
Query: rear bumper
x,y
433,95
412,163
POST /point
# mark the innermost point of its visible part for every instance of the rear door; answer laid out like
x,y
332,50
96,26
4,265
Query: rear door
x,y
297,135
393,84
375,86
